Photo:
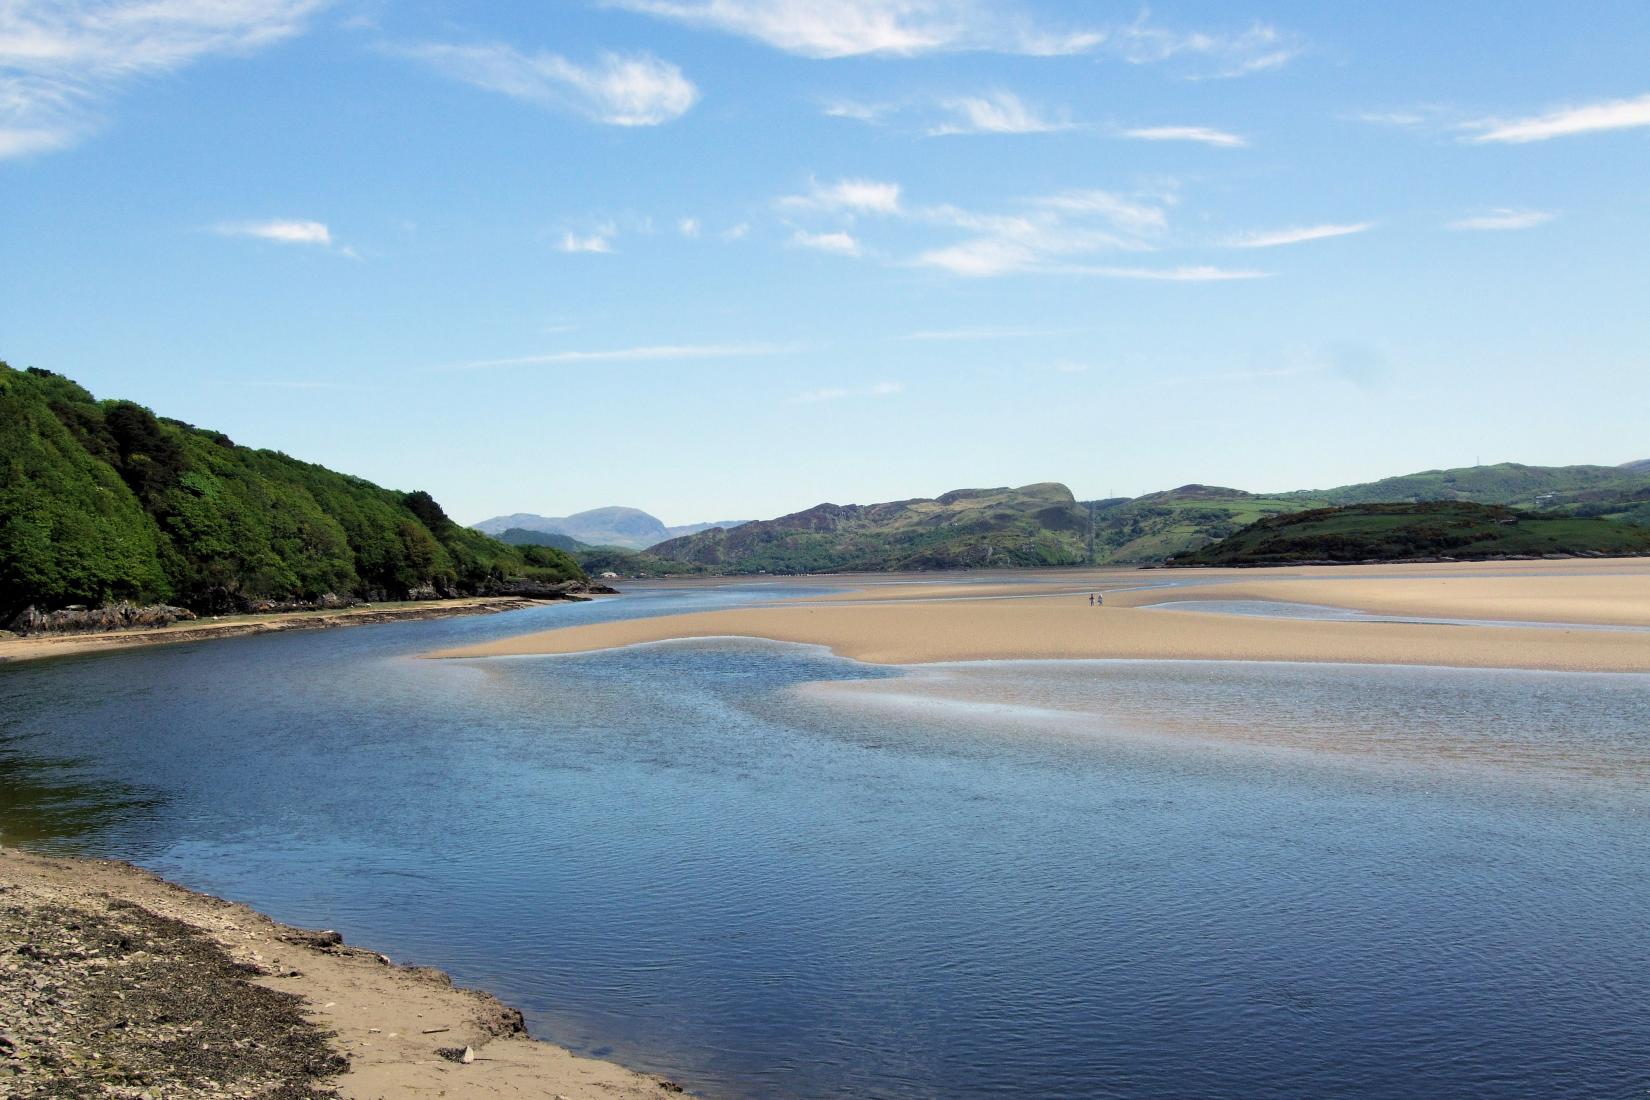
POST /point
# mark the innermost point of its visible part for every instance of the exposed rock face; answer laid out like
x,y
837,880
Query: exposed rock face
x,y
77,620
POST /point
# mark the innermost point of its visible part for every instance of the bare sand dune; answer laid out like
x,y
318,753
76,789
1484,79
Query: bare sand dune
x,y
915,623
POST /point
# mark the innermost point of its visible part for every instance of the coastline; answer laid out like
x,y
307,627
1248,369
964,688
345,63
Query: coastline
x,y
1049,618
307,1011
37,646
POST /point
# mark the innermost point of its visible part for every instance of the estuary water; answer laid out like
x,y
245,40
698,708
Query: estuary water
x,y
769,872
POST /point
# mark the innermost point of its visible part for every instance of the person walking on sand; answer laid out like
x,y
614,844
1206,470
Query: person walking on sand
x,y
1091,599
1099,599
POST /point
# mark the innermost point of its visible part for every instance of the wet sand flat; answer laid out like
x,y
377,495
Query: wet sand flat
x,y
1606,600
914,623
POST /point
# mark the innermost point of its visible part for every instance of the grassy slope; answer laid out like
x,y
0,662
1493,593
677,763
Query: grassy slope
x,y
1152,527
1504,483
103,501
1379,532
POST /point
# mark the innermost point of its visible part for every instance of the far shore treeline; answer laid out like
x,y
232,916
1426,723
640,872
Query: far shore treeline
x,y
104,502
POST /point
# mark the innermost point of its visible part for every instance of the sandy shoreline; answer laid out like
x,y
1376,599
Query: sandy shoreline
x,y
1049,618
36,646
87,931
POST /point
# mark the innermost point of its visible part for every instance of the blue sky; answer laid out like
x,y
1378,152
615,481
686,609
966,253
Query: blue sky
x,y
730,258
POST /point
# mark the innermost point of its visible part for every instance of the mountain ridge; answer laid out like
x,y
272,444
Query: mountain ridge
x,y
1043,524
613,525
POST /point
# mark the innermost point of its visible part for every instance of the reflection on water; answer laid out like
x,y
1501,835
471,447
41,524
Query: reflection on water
x,y
773,873
43,799
1538,726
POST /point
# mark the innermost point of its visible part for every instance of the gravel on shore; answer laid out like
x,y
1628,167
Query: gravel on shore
x,y
118,985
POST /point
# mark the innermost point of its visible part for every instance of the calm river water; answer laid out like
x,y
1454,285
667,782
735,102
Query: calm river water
x,y
769,872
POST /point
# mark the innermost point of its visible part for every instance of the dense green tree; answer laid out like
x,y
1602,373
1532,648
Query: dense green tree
x,y
70,530
105,501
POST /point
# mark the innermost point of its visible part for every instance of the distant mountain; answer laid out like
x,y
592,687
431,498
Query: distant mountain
x,y
1458,530
1642,466
1031,525
630,528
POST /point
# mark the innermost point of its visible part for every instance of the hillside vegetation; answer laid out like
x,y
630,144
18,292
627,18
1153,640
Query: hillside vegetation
x,y
522,536
1031,525
102,501
1507,483
1152,527
1427,530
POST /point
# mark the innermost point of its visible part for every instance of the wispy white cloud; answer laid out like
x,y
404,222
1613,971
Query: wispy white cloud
x,y
1297,235
912,28
996,113
890,28
842,244
1257,48
658,353
1046,232
616,89
62,60
1060,233
879,389
856,110
1134,213
1505,218
20,141
853,196
1588,118
280,230
1202,134
688,227
600,243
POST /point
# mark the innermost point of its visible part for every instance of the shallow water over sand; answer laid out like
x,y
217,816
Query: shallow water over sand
x,y
770,872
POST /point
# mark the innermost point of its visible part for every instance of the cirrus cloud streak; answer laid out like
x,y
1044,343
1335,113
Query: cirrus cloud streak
x,y
616,89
